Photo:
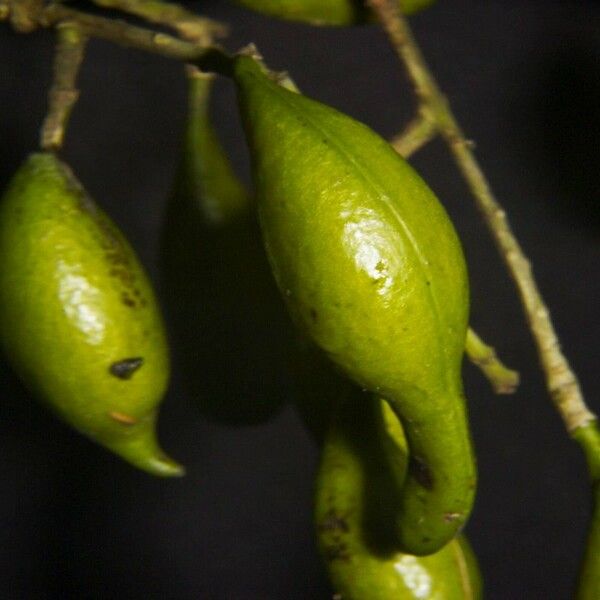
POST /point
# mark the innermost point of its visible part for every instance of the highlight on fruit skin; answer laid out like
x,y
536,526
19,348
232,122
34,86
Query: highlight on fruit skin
x,y
373,273
355,494
78,319
324,12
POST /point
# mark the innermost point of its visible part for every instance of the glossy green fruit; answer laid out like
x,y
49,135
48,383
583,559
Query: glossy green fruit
x,y
324,12
372,270
78,319
229,327
354,498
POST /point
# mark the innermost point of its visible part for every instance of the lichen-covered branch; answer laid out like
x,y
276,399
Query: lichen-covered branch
x,y
63,94
560,379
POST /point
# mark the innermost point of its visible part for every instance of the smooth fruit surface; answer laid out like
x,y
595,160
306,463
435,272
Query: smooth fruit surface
x,y
323,12
78,318
372,270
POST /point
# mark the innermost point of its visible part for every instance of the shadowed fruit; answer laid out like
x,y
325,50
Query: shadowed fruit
x,y
229,327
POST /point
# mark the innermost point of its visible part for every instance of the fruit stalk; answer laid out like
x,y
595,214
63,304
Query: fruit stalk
x,y
69,53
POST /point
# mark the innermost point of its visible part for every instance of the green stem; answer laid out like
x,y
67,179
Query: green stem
x,y
588,438
589,577
503,379
63,94
418,132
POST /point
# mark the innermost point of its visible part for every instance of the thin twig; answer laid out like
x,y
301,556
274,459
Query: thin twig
x,y
4,10
560,379
20,13
418,132
122,33
117,31
63,94
503,379
189,25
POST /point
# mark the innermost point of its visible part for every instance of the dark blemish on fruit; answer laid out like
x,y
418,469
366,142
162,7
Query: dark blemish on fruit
x,y
313,314
124,369
419,469
337,551
127,301
334,522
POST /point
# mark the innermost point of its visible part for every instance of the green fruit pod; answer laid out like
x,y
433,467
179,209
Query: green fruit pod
x,y
355,492
78,319
372,270
324,12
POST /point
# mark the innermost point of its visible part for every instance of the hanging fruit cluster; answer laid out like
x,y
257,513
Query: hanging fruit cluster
x,y
373,276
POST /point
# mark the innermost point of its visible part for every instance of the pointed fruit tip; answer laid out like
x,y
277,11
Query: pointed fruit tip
x,y
163,466
142,451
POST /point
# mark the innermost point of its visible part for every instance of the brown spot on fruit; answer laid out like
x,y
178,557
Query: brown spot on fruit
x,y
333,522
127,301
122,418
337,551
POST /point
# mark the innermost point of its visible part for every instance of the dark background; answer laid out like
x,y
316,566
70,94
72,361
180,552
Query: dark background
x,y
524,81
